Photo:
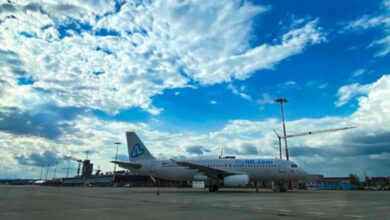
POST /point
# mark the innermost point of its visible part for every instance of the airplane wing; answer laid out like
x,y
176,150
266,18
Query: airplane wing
x,y
209,171
128,165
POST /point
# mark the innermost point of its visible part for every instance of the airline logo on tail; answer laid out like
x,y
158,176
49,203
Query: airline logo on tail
x,y
137,151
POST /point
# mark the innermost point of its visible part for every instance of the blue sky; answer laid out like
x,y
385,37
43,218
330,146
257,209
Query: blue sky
x,y
192,77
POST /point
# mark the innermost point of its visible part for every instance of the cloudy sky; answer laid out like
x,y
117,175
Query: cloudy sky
x,y
192,77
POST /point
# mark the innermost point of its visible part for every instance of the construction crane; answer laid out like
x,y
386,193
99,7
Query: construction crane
x,y
317,132
74,159
306,134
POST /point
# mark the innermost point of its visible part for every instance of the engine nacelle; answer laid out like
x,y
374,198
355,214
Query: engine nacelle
x,y
236,181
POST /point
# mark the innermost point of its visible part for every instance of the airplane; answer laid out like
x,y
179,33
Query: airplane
x,y
224,171
39,181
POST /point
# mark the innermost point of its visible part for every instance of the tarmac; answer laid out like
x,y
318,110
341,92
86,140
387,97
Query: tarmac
x,y
72,203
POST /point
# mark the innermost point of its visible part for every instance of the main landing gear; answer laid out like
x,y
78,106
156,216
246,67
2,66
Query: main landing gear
x,y
281,187
213,188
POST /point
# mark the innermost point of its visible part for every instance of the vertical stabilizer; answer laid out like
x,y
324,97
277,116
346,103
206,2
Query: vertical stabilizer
x,y
137,149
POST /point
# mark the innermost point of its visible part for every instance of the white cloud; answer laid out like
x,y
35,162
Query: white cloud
x,y
159,45
316,84
240,92
345,93
260,57
266,99
311,83
372,21
386,3
385,43
358,72
290,83
213,102
242,137
287,85
323,86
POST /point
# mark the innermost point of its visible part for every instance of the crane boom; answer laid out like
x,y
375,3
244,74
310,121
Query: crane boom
x,y
72,158
79,161
316,132
305,134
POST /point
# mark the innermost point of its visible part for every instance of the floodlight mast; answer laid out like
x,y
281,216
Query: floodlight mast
x,y
55,170
67,171
40,176
87,153
116,154
282,101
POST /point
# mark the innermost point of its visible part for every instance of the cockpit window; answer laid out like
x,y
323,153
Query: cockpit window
x,y
294,165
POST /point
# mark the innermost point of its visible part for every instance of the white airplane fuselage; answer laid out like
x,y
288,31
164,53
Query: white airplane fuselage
x,y
256,169
225,171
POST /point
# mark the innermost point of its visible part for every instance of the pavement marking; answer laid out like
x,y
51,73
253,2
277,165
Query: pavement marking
x,y
258,208
46,211
282,210
91,209
315,213
353,216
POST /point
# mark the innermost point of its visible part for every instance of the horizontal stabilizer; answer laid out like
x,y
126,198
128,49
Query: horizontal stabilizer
x,y
128,165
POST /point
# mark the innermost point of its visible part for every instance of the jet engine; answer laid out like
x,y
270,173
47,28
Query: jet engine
x,y
236,180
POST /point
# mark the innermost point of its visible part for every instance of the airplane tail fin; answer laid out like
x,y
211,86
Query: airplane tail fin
x,y
137,149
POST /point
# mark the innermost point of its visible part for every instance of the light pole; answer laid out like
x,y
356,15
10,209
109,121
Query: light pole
x,y
87,153
55,170
47,171
40,176
282,101
116,155
67,171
